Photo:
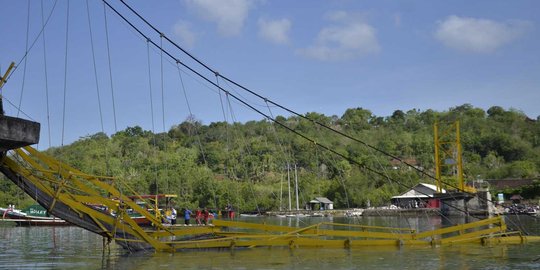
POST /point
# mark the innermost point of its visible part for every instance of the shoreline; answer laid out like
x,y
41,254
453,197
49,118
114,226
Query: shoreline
x,y
354,212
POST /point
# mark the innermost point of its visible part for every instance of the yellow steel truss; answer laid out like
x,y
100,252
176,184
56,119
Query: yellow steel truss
x,y
447,145
65,190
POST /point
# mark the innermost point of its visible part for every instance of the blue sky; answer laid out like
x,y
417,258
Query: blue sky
x,y
322,56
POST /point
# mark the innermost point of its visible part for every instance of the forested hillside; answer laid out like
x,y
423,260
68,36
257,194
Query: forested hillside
x,y
245,164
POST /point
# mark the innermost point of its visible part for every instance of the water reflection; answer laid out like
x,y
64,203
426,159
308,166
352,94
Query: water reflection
x,y
72,247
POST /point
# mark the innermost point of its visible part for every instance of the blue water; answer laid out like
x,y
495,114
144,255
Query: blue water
x,y
74,248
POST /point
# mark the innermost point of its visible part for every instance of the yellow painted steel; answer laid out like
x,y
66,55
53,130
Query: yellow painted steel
x,y
3,79
80,191
437,157
459,159
447,145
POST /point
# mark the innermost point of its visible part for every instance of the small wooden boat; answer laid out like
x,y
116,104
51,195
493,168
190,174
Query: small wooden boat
x,y
33,215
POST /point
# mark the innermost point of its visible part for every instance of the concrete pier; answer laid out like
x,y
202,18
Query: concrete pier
x,y
17,132
454,203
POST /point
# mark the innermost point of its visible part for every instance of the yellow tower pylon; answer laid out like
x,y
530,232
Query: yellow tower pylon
x,y
448,153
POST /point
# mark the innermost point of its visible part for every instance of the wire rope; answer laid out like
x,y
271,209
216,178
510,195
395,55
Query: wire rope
x,y
98,95
263,114
110,67
46,75
31,46
95,67
164,137
217,74
154,150
286,154
65,76
197,135
233,118
25,59
15,106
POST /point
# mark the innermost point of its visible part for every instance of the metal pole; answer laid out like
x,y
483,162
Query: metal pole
x,y
289,181
437,158
296,186
280,192
459,159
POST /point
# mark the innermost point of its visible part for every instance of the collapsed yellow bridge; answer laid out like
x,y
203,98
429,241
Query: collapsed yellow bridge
x,y
101,205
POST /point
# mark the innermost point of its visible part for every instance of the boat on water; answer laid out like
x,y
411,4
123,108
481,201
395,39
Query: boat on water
x,y
518,209
250,215
296,215
354,212
154,204
33,215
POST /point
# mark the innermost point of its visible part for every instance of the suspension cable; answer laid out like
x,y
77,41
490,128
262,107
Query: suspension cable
x,y
31,46
110,67
217,74
166,174
65,75
107,161
197,136
46,75
95,68
25,59
152,116
267,116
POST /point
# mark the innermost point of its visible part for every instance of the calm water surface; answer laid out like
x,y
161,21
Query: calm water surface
x,y
74,248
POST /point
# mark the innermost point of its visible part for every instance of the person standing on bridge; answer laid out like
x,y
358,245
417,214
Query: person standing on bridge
x,y
187,216
173,216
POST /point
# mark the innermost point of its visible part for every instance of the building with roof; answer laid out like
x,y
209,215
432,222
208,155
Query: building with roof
x,y
420,195
321,203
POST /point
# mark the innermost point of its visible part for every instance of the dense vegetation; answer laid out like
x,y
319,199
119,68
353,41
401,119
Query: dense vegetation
x,y
245,164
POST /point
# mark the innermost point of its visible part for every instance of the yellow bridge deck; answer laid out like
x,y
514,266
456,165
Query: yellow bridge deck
x,y
73,196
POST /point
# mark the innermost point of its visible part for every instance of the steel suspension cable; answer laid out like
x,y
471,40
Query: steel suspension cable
x,y
31,46
166,174
152,116
95,67
197,136
46,75
257,110
233,118
25,59
107,161
287,154
65,75
191,115
261,97
110,67
225,119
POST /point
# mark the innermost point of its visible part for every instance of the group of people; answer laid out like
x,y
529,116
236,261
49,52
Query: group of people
x,y
170,216
202,216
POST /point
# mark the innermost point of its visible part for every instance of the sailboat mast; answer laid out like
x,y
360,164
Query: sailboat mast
x,y
280,192
296,186
289,181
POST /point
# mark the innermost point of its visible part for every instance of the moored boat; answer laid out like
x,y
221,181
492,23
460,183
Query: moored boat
x,y
33,215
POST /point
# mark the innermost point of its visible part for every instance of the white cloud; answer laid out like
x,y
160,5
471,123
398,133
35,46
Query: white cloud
x,y
229,15
182,30
350,37
478,35
275,31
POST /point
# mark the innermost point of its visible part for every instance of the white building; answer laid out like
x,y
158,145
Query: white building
x,y
419,196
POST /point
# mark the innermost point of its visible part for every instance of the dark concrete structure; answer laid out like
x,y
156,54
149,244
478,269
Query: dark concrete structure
x,y
17,132
454,203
